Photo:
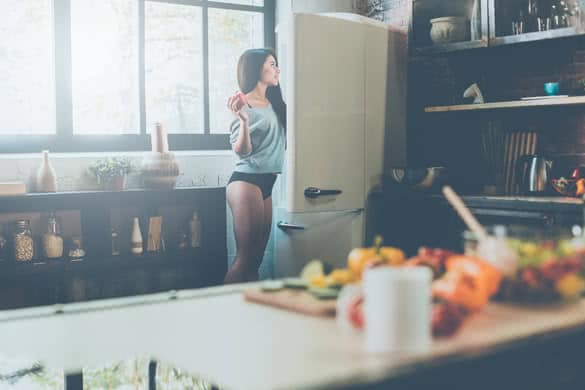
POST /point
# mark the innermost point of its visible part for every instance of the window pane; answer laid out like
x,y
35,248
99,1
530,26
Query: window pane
x,y
26,67
246,2
174,67
105,66
230,33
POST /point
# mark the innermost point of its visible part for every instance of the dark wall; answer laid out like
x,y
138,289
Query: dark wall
x,y
503,73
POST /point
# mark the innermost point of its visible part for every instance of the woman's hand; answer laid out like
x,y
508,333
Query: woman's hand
x,y
237,105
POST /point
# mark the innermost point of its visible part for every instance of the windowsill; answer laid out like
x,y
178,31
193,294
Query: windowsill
x,y
178,153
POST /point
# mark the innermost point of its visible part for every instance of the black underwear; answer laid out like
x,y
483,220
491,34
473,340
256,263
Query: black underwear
x,y
264,181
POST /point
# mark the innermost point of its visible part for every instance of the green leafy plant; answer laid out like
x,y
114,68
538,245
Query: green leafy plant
x,y
105,169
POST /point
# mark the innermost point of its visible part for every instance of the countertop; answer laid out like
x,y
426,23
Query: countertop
x,y
560,204
215,334
525,203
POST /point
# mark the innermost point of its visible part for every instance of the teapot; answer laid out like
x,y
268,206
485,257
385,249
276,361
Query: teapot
x,y
533,173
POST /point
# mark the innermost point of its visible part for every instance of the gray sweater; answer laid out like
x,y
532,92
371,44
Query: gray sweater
x,y
268,142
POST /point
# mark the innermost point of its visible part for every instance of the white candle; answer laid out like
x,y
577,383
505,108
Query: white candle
x,y
397,309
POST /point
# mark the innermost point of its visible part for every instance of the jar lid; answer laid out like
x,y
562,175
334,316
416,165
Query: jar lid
x,y
22,223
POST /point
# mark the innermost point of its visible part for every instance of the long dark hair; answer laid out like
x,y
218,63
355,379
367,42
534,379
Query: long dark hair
x,y
249,71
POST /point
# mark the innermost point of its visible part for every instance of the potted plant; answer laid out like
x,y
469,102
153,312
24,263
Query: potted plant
x,y
111,172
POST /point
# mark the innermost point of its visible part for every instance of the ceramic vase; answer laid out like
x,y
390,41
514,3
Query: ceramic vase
x,y
46,180
159,167
159,170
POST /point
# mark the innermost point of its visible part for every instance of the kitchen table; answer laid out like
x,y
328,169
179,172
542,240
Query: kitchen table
x,y
213,333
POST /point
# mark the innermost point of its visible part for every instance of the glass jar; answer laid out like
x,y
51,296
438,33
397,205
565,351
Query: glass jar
x,y
52,240
3,246
76,251
24,247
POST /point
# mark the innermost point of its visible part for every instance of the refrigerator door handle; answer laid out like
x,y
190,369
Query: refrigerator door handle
x,y
314,192
289,226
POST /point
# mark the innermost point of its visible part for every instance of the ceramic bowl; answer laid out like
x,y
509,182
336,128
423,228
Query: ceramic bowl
x,y
419,178
449,29
550,262
565,187
551,89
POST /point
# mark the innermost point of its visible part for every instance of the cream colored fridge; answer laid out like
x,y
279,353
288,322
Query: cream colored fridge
x,y
344,78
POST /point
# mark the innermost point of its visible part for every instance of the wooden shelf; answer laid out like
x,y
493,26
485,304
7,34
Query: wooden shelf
x,y
104,265
549,102
92,199
449,47
535,36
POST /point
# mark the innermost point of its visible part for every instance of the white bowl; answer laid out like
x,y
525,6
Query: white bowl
x,y
450,29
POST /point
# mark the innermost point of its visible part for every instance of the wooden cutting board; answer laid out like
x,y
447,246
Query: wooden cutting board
x,y
296,300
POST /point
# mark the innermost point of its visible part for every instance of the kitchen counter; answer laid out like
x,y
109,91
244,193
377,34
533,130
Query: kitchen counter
x,y
409,220
526,203
215,334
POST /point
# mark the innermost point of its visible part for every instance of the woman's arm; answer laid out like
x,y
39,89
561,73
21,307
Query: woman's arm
x,y
243,144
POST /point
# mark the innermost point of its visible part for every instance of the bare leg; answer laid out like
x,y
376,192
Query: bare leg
x,y
266,227
247,206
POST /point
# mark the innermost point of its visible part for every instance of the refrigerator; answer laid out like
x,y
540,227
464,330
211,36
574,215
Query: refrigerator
x,y
344,81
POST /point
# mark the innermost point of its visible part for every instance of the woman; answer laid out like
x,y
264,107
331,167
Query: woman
x,y
258,138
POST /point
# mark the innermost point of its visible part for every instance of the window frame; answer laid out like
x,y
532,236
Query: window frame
x,y
65,141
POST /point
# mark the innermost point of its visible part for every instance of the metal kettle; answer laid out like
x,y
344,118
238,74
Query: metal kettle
x,y
533,173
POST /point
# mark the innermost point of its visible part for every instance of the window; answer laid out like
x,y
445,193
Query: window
x,y
104,71
174,67
26,68
96,75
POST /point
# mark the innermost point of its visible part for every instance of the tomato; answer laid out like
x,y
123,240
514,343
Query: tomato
x,y
355,312
446,319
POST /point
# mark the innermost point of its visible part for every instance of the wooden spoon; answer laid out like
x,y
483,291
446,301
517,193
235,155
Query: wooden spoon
x,y
464,213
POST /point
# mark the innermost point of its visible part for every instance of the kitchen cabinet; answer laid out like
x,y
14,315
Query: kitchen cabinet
x,y
99,274
491,23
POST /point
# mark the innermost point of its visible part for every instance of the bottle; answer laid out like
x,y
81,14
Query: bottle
x,y
531,23
46,180
52,240
195,231
115,242
136,237
24,247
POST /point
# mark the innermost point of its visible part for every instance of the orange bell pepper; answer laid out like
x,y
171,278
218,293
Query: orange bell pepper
x,y
477,268
461,289
469,282
580,187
